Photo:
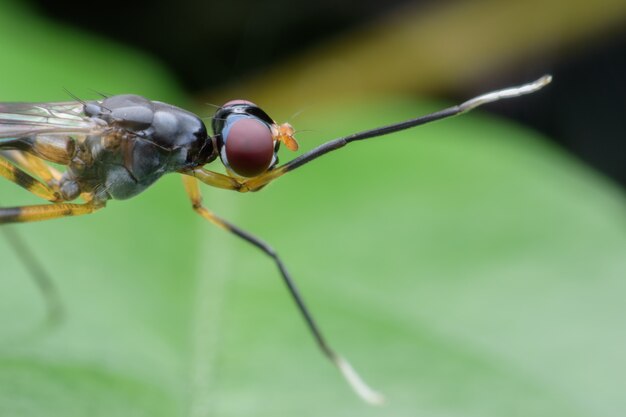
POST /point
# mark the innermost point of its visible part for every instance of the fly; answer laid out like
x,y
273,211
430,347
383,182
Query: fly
x,y
115,148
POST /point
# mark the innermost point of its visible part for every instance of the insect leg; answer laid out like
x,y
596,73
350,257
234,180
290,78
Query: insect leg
x,y
256,183
21,178
46,211
355,381
214,179
34,165
42,279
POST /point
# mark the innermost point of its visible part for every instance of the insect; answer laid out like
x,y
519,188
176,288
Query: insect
x,y
116,147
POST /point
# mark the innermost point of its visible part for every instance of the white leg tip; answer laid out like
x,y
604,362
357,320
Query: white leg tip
x,y
506,93
356,382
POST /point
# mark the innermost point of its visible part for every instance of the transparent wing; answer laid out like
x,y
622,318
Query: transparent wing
x,y
63,118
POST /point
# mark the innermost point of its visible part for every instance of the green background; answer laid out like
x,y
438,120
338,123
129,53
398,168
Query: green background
x,y
465,268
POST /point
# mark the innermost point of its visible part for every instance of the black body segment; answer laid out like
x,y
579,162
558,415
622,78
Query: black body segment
x,y
145,140
113,148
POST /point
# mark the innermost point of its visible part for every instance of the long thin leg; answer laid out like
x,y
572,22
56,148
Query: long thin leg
x,y
46,211
355,381
256,183
21,178
41,277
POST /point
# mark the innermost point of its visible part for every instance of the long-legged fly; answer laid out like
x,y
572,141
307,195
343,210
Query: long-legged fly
x,y
116,147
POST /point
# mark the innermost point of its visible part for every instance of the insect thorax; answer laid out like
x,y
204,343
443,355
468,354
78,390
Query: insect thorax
x,y
145,140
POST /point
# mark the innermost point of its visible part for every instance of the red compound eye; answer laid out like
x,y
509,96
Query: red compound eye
x,y
249,147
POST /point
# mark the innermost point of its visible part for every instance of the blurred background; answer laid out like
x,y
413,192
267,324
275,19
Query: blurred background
x,y
473,267
302,53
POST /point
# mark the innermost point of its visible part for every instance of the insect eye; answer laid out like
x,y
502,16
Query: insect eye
x,y
248,146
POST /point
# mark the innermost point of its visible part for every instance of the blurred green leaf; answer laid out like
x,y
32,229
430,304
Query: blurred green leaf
x,y
465,268
40,59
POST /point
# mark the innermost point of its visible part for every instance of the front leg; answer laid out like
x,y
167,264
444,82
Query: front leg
x,y
355,381
255,183
215,179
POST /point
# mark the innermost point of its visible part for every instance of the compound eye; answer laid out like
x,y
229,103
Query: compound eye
x,y
249,146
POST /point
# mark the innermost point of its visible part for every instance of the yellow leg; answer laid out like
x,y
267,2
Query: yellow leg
x,y
21,178
36,166
256,183
191,186
214,179
46,212
218,180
